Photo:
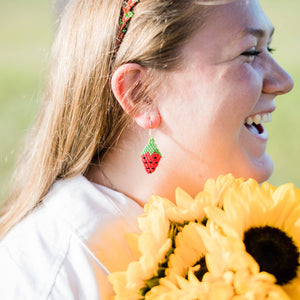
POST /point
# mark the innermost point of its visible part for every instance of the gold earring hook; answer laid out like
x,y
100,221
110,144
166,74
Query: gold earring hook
x,y
150,129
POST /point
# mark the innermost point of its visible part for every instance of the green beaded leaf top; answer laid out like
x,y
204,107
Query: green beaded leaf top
x,y
151,148
129,14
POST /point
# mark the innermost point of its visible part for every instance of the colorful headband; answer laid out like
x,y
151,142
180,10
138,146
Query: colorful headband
x,y
125,17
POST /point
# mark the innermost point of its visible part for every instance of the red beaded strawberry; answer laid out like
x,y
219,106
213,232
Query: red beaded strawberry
x,y
151,156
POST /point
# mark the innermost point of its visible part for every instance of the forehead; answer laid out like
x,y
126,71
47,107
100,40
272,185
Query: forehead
x,y
239,18
228,29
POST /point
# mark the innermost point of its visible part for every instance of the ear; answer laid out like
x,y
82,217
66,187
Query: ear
x,y
125,80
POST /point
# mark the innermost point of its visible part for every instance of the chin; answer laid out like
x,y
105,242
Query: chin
x,y
263,168
259,169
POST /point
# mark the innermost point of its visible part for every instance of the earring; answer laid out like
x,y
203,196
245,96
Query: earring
x,y
151,155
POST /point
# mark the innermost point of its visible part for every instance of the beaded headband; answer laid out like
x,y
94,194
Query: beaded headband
x,y
125,17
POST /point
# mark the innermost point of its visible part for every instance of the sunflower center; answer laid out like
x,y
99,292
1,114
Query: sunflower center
x,y
203,268
274,251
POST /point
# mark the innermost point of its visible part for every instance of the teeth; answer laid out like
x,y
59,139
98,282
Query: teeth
x,y
257,119
249,121
267,118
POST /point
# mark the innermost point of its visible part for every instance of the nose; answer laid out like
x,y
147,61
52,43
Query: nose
x,y
276,81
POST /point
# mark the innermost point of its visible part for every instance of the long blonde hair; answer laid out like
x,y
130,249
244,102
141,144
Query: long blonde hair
x,y
80,117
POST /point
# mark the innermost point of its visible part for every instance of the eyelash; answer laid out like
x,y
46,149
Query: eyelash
x,y
256,53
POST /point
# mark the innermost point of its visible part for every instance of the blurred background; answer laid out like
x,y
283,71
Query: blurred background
x,y
26,33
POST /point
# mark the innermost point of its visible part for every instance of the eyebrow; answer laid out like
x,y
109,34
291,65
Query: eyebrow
x,y
260,33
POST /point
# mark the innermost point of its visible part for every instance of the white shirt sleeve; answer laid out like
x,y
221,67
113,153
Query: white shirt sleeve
x,y
78,275
85,279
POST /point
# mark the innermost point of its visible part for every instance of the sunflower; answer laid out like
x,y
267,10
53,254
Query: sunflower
x,y
224,271
230,265
189,247
160,225
180,216
217,188
184,217
189,252
235,240
184,290
186,208
267,220
231,273
187,268
154,244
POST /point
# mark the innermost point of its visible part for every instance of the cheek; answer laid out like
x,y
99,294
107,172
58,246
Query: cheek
x,y
241,87
181,98
212,102
249,81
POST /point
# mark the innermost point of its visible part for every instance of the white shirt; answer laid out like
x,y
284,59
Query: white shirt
x,y
66,247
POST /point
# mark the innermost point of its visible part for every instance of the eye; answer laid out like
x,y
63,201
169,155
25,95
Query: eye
x,y
256,53
251,53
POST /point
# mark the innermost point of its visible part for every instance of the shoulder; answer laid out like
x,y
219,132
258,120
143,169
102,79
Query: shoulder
x,y
85,206
31,256
53,253
59,266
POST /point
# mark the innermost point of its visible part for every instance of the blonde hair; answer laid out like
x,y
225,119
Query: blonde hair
x,y
80,117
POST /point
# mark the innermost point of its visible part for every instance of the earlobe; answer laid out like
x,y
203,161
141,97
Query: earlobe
x,y
125,80
148,119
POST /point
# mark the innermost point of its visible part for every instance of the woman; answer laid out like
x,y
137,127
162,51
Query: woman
x,y
198,74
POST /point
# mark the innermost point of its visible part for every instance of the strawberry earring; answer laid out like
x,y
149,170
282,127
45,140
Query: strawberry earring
x,y
151,155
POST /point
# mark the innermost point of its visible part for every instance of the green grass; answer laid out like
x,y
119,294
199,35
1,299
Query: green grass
x,y
284,132
26,31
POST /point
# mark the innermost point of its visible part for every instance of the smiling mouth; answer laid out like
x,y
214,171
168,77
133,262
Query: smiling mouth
x,y
254,123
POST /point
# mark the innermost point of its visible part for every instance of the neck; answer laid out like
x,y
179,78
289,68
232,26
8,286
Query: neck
x,y
122,170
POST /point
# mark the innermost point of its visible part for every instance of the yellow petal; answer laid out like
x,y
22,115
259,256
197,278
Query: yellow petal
x,y
219,217
183,199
